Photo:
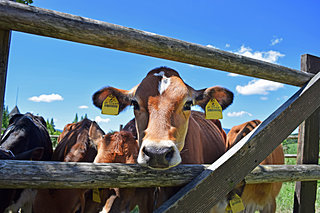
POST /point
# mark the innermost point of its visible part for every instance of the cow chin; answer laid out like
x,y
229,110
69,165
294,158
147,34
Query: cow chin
x,y
160,155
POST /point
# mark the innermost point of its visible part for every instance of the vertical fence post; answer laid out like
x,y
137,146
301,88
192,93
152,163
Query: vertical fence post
x,y
308,147
5,36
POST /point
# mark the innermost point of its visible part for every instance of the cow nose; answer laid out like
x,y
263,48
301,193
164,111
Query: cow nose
x,y
158,157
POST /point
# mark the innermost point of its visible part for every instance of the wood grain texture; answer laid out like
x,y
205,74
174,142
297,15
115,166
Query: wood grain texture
x,y
308,146
215,182
5,36
35,174
69,27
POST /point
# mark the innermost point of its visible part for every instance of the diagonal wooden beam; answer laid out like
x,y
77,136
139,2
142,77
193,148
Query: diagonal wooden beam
x,y
215,182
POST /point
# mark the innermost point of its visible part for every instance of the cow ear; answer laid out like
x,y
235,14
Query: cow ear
x,y
123,96
95,132
14,118
222,95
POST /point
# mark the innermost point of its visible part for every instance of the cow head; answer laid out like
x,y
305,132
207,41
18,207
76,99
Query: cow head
x,y
116,147
162,107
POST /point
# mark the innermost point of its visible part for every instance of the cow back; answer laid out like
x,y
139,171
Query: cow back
x,y
257,196
26,132
205,141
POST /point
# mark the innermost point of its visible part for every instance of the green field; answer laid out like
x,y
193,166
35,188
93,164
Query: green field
x,y
285,198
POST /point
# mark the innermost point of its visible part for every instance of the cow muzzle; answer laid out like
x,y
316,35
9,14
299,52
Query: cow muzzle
x,y
157,156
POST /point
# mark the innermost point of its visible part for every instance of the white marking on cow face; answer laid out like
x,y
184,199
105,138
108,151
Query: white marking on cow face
x,y
164,83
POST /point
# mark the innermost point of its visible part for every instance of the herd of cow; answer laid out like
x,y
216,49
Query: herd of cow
x,y
164,133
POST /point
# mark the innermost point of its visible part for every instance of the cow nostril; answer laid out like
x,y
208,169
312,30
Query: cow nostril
x,y
169,155
146,152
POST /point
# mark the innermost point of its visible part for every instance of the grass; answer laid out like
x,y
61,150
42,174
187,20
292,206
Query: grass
x,y
285,199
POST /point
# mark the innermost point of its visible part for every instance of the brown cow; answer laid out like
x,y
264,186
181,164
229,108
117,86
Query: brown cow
x,y
164,120
261,197
168,132
74,146
86,142
121,147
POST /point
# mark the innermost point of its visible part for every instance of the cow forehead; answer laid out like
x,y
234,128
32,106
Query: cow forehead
x,y
163,85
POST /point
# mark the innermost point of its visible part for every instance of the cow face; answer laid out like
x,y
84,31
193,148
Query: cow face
x,y
162,103
116,147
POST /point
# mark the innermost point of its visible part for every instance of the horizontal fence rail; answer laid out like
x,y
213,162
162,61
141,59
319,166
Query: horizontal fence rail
x,y
36,174
292,156
34,20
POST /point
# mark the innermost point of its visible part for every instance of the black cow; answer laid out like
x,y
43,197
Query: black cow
x,y
26,138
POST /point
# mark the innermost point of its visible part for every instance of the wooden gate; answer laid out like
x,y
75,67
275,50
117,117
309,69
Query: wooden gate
x,y
216,180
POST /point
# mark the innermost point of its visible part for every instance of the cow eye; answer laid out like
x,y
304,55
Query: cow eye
x,y
135,105
187,105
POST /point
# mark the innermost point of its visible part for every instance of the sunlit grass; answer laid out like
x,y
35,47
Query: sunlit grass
x,y
285,199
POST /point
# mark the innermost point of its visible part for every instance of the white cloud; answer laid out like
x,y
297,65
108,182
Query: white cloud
x,y
264,98
270,56
83,107
283,98
260,87
227,45
276,41
46,98
98,119
238,114
209,45
233,74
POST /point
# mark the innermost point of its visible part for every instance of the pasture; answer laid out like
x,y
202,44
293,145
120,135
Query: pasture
x,y
285,198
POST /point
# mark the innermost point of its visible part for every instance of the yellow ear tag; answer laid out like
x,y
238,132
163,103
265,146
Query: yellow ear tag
x,y
236,204
213,109
228,209
96,195
110,106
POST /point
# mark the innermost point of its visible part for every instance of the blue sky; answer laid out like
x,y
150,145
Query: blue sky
x,y
66,74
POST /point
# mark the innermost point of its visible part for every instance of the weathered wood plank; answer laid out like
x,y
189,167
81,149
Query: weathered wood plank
x,y
283,173
55,24
35,174
216,181
308,146
4,55
293,156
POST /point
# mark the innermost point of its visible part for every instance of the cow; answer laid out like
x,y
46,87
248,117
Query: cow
x,y
119,147
74,146
85,141
26,138
169,133
260,197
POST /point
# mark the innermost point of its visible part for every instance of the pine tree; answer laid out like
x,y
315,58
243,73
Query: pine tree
x,y
5,117
76,119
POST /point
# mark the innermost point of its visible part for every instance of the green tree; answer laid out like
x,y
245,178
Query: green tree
x,y
5,117
52,131
76,119
83,117
25,1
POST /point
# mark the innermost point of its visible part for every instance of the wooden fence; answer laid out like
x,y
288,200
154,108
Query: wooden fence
x,y
207,186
